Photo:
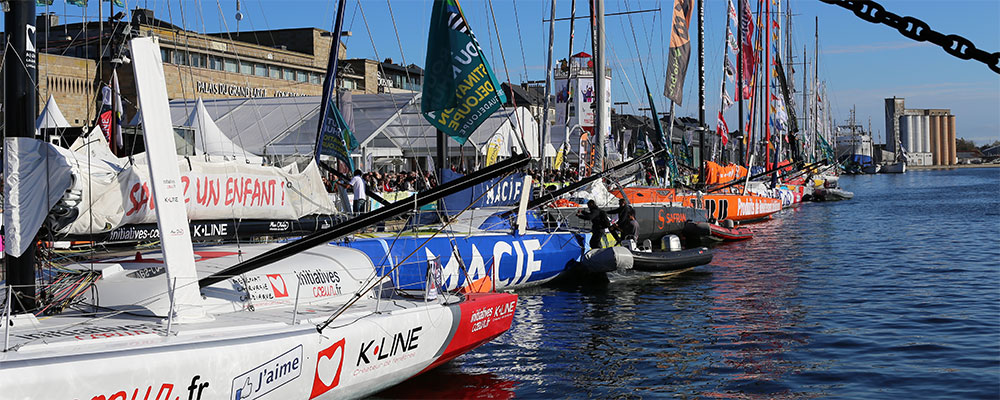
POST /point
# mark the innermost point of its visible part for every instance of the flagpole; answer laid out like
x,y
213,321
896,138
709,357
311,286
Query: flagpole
x,y
548,88
701,91
603,117
668,145
739,79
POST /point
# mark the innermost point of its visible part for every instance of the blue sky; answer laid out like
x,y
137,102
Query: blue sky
x,y
861,63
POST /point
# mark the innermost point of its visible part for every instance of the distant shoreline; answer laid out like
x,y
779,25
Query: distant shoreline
x,y
930,167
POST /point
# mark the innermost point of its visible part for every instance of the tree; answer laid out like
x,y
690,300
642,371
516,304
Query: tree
x,y
964,145
986,146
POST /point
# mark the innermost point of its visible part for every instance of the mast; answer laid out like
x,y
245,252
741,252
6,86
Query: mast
x,y
739,80
19,119
805,93
548,88
816,81
701,91
603,118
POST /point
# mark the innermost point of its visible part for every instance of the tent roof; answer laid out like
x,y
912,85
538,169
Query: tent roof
x,y
287,125
51,116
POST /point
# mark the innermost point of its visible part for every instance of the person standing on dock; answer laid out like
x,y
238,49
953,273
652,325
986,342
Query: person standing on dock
x,y
358,185
598,223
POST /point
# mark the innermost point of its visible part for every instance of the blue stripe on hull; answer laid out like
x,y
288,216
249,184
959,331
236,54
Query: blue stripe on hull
x,y
523,261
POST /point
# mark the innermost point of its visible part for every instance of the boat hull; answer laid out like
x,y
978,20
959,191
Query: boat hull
x,y
508,261
719,206
656,220
352,360
667,261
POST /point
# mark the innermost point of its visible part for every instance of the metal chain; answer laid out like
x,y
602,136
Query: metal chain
x,y
918,30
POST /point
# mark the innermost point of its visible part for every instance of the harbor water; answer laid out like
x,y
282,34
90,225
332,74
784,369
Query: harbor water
x,y
892,295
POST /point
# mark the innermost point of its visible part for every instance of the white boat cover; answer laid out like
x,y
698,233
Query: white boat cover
x,y
112,191
37,176
51,116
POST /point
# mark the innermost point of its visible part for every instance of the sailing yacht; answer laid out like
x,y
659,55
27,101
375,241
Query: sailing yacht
x,y
300,319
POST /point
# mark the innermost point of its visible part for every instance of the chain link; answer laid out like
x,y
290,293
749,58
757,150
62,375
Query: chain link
x,y
918,30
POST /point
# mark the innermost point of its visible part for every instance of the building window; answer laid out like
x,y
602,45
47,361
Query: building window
x,y
230,65
214,62
274,72
315,78
301,76
197,60
165,55
260,69
246,68
180,58
288,74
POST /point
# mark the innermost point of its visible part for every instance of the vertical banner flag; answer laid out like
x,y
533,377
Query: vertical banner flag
x,y
460,90
746,35
659,129
116,115
334,138
680,51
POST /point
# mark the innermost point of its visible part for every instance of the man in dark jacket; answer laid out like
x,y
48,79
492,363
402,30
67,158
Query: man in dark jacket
x,y
598,223
626,214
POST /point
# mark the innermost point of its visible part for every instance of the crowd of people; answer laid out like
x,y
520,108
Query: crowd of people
x,y
386,182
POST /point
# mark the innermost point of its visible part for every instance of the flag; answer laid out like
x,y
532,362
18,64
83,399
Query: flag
x,y
78,3
460,90
105,115
727,102
746,34
116,115
723,129
680,51
730,68
733,18
560,156
43,2
731,41
659,129
119,3
333,136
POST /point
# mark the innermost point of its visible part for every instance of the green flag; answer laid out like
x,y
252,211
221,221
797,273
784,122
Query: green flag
x,y
78,3
43,2
659,129
119,3
460,90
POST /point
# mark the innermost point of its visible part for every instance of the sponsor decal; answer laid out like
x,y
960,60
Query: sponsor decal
x,y
268,376
320,283
279,226
752,207
387,350
162,391
329,364
480,319
519,255
95,332
278,285
146,273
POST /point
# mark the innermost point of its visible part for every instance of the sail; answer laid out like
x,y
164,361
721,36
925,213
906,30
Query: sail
x,y
680,51
36,178
334,137
460,90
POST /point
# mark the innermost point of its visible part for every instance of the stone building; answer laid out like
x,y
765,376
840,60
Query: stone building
x,y
927,134
77,59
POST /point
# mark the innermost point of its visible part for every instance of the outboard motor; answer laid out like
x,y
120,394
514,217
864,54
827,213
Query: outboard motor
x,y
671,243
